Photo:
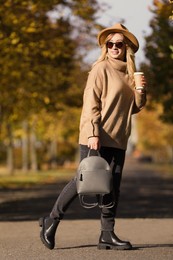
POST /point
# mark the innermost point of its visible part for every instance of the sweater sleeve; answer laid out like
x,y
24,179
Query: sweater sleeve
x,y
91,103
139,102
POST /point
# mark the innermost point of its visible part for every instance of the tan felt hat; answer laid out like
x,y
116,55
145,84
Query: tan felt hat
x,y
118,28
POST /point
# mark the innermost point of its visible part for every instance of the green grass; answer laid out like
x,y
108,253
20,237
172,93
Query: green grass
x,y
26,180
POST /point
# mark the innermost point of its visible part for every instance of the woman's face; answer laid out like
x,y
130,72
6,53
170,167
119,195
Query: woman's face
x,y
117,51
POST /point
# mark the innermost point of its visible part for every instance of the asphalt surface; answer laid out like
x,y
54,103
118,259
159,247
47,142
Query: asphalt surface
x,y
145,218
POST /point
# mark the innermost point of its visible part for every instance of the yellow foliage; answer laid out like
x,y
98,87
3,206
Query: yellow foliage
x,y
7,3
153,133
35,94
30,74
163,8
31,30
1,35
15,41
46,100
13,35
15,73
33,7
19,48
46,53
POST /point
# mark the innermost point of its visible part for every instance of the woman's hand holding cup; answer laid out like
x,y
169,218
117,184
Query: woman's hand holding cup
x,y
140,81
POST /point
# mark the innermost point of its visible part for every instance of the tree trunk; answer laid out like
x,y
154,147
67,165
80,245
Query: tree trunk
x,y
25,162
53,154
10,154
33,150
170,153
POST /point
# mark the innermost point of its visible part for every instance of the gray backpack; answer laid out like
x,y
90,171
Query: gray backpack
x,y
94,178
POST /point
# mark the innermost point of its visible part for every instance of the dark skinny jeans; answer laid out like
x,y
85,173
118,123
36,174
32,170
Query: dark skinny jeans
x,y
115,157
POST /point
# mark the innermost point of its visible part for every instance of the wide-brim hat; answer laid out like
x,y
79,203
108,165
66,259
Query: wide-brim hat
x,y
118,28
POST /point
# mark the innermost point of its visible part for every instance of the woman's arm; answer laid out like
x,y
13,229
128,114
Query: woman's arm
x,y
91,113
140,97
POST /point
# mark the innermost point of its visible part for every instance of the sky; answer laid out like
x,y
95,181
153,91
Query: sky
x,y
136,15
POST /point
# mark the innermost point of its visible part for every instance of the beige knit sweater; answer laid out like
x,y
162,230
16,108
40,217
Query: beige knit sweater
x,y
108,104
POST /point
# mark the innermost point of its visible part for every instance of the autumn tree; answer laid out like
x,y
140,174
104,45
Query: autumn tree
x,y
155,125
158,52
41,46
155,136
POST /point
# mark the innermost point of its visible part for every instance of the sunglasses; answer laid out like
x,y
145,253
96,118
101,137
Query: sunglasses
x,y
118,45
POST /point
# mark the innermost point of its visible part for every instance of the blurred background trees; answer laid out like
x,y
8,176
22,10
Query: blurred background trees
x,y
156,123
43,45
42,77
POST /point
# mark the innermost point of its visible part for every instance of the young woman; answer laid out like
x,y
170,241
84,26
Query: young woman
x,y
110,99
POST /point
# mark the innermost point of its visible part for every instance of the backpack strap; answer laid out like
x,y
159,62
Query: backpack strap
x,y
96,151
102,205
95,204
85,204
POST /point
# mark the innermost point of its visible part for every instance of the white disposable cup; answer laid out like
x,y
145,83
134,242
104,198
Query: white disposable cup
x,y
138,79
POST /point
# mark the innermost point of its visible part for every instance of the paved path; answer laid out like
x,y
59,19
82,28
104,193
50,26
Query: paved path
x,y
144,217
152,239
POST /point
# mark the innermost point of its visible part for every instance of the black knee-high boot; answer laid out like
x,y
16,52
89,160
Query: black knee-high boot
x,y
108,240
47,233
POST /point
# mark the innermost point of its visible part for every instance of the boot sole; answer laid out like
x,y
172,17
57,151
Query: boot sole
x,y
41,222
110,246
